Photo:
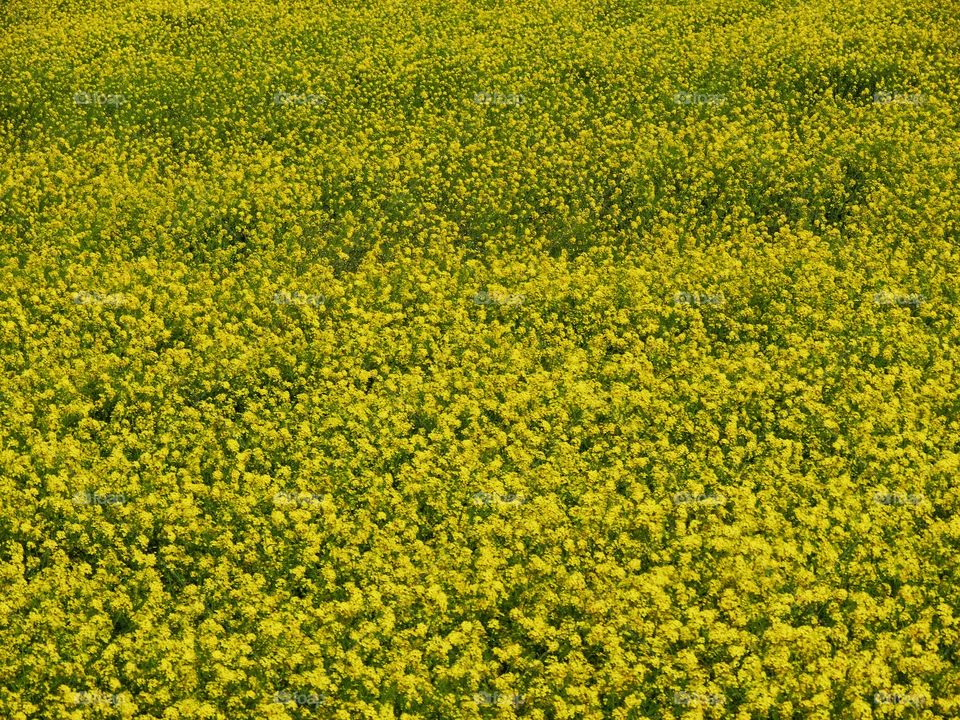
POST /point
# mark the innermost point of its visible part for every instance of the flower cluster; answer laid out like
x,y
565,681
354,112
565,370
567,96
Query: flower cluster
x,y
342,380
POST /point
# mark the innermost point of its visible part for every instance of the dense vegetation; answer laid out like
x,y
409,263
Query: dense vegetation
x,y
551,359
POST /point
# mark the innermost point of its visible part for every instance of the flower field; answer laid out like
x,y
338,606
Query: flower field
x,y
560,359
